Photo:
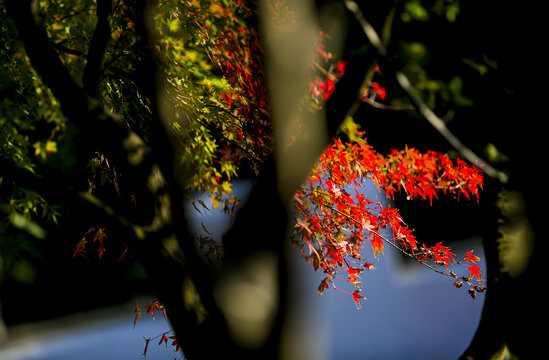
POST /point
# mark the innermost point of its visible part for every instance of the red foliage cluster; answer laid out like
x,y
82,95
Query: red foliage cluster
x,y
98,237
236,47
336,219
322,87
164,337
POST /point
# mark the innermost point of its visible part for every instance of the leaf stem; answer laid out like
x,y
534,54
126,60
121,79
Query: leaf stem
x,y
389,242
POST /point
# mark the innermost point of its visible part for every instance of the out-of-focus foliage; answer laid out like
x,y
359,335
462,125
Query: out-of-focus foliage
x,y
31,126
212,76
212,90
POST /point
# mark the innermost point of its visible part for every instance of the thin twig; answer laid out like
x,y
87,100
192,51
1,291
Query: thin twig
x,y
229,113
59,46
418,103
381,106
389,242
221,136
386,240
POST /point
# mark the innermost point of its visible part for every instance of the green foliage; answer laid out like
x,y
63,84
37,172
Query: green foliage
x,y
213,80
211,72
210,85
31,126
31,118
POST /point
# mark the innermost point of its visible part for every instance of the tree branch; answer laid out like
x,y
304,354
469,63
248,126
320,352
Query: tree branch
x,y
98,45
59,46
381,106
418,103
450,274
85,112
44,58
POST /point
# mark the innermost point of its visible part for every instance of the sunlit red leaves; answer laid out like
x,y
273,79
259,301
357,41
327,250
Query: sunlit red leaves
x,y
356,298
320,89
475,271
423,174
155,305
470,258
354,273
373,92
150,308
377,245
340,68
233,98
380,90
335,222
322,86
442,255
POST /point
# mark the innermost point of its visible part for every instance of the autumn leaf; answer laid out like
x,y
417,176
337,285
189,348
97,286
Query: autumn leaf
x,y
470,258
155,305
175,342
99,236
301,224
341,223
341,67
356,297
196,208
353,274
100,251
164,338
80,247
137,315
475,271
323,286
215,202
430,192
377,245
380,90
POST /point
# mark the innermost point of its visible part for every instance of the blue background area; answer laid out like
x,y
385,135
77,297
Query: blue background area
x,y
410,313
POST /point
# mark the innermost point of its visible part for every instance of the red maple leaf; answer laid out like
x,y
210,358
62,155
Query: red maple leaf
x,y
470,258
330,87
377,245
137,314
356,297
342,222
175,343
323,286
475,271
380,90
164,338
341,67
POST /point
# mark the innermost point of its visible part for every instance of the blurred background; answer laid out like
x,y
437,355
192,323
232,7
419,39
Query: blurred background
x,y
56,306
68,308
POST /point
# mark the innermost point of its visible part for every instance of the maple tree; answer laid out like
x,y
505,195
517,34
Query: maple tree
x,y
337,223
155,114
